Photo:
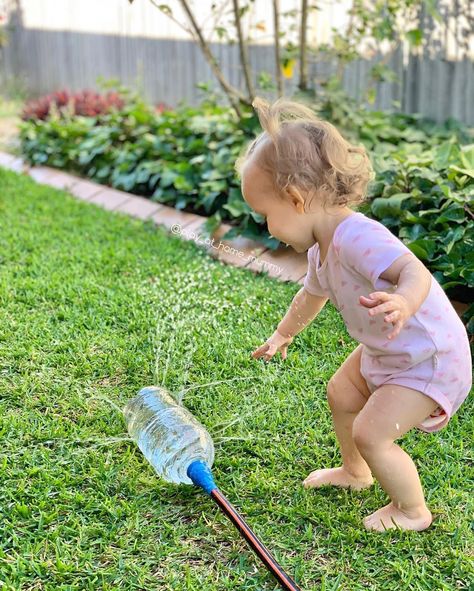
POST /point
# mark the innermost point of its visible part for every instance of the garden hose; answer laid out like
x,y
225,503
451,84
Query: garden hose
x,y
201,475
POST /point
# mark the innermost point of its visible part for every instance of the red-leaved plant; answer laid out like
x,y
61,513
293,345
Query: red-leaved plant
x,y
85,102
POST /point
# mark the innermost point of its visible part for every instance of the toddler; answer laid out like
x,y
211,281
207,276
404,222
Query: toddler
x,y
412,367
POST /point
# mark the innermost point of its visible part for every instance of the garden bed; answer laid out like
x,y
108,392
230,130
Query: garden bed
x,y
185,158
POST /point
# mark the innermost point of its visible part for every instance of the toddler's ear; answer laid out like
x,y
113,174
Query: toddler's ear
x,y
293,194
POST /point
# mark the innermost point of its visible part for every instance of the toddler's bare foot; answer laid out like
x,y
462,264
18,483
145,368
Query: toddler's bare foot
x,y
337,477
389,517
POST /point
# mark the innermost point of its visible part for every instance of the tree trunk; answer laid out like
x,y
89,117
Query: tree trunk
x,y
303,85
243,52
276,20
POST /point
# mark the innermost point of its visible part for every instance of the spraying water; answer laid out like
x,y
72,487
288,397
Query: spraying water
x,y
181,451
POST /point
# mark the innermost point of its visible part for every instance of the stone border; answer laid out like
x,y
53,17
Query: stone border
x,y
283,263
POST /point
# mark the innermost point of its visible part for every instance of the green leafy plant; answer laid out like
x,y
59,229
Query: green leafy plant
x,y
185,158
425,198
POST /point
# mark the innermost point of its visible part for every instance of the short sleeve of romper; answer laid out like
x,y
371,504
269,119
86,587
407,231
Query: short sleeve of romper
x,y
311,281
370,248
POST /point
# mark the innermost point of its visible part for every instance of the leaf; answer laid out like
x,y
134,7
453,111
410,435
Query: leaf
x,y
375,188
467,156
208,201
182,183
212,223
165,9
167,178
181,202
431,7
415,37
444,154
371,95
199,159
452,237
236,208
412,232
468,274
259,218
388,206
218,186
469,172
453,213
212,174
287,68
423,248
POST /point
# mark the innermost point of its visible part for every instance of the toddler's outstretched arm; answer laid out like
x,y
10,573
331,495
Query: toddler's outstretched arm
x,y
303,309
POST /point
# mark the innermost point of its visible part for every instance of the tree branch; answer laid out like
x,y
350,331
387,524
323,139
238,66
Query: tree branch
x,y
243,52
233,94
170,15
276,21
303,85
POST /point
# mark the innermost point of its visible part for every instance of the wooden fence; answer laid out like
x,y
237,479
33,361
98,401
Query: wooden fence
x,y
168,70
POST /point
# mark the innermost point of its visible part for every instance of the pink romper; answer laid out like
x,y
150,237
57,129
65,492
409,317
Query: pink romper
x,y
431,353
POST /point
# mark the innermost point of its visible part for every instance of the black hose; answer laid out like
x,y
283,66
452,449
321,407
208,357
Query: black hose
x,y
200,473
257,546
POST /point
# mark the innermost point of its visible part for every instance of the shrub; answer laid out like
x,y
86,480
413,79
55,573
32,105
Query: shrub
x,y
425,198
86,102
185,158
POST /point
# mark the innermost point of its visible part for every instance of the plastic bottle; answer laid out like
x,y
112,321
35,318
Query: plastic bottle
x,y
168,435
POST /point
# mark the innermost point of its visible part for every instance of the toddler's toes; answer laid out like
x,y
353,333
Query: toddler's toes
x,y
336,477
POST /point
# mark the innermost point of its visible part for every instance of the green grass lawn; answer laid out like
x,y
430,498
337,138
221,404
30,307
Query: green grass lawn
x,y
95,306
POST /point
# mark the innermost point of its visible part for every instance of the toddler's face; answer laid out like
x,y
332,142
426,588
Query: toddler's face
x,y
286,219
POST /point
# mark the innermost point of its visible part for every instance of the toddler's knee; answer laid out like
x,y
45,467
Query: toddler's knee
x,y
343,396
361,435
333,392
366,437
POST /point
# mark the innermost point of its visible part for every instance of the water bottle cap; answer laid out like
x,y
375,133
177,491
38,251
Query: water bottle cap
x,y
200,473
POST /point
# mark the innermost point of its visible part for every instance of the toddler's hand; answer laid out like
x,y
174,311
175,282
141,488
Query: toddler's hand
x,y
277,342
397,306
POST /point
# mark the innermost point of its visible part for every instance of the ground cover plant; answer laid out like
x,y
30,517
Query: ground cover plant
x,y
94,306
185,158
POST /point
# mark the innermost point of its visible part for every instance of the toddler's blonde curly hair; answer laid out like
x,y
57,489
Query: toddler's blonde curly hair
x,y
309,153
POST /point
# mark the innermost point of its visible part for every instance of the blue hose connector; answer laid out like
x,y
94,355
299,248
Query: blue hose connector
x,y
201,475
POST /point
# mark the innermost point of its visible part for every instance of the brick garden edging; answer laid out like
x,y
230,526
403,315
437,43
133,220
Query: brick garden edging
x,y
283,263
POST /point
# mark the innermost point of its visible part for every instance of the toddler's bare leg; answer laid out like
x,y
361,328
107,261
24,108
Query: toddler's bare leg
x,y
345,401
391,412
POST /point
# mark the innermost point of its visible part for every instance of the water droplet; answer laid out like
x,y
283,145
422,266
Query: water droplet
x,y
106,399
